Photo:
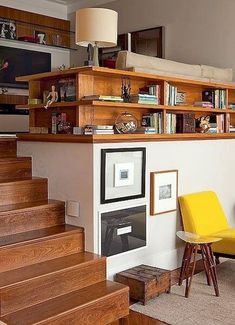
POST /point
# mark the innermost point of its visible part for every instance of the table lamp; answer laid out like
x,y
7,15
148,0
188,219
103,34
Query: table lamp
x,y
96,27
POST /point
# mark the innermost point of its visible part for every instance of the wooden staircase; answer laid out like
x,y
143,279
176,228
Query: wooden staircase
x,y
46,277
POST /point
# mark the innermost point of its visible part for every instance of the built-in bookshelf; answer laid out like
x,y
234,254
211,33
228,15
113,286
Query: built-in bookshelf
x,y
180,111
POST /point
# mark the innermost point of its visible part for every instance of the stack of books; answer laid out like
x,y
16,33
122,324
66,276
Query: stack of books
x,y
204,104
217,97
171,95
146,130
153,120
103,98
151,90
145,99
231,105
98,129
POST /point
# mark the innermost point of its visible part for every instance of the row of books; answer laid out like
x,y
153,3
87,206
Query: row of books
x,y
171,95
170,123
217,124
153,120
217,97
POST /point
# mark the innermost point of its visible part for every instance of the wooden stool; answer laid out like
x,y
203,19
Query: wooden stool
x,y
196,244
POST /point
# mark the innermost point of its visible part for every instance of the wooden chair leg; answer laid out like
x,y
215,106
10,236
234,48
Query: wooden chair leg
x,y
212,268
189,279
185,261
205,264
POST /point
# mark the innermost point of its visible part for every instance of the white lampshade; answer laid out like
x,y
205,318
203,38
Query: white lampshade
x,y
96,26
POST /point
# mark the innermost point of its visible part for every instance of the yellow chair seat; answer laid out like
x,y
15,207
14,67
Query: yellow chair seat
x,y
227,244
203,215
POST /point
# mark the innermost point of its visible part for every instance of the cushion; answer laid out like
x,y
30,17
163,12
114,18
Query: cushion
x,y
202,213
227,244
127,59
217,73
167,74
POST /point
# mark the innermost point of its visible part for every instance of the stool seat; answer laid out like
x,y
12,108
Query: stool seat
x,y
194,245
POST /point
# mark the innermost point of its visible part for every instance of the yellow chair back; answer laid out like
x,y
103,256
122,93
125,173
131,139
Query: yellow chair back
x,y
202,213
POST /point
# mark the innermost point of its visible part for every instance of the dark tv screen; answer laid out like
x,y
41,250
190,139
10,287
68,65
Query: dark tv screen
x,y
21,63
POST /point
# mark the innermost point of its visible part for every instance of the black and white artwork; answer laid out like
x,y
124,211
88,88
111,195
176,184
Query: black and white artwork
x,y
122,230
7,29
122,174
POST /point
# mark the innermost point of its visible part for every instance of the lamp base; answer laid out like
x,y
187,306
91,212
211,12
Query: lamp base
x,y
96,56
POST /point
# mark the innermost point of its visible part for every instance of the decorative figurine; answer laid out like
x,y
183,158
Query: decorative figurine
x,y
204,123
126,89
52,97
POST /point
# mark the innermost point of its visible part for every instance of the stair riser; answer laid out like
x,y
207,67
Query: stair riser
x,y
21,192
37,218
17,169
103,311
7,148
52,285
28,253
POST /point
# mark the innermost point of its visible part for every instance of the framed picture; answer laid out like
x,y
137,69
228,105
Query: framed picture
x,y
7,29
122,174
163,191
122,230
40,37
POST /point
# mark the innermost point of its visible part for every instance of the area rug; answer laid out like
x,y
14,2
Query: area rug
x,y
202,307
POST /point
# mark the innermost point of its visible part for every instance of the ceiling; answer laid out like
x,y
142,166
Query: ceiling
x,y
68,2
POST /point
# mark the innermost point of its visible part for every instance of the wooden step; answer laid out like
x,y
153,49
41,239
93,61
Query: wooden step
x,y
40,245
22,217
7,147
13,192
15,168
99,304
36,283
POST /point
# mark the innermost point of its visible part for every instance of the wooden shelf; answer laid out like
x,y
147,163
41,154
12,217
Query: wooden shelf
x,y
122,137
59,105
129,105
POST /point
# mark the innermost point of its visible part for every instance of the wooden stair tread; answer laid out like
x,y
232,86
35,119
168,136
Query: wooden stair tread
x,y
65,304
19,181
11,277
37,235
29,205
13,159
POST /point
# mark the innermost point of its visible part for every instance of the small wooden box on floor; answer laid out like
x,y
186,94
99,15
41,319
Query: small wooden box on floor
x,y
145,282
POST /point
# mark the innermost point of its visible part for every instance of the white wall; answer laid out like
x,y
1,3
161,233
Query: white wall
x,y
73,175
42,7
202,165
197,31
68,167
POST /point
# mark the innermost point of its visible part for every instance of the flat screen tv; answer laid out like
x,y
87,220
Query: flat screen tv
x,y
20,63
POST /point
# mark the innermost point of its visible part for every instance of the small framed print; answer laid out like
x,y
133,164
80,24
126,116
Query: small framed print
x,y
122,174
7,29
163,191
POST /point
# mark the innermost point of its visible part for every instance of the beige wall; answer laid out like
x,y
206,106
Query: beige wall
x,y
197,31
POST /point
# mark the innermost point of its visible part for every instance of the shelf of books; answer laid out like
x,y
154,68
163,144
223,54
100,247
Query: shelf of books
x,y
88,101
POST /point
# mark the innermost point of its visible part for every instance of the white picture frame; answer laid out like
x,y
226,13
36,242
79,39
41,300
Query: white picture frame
x,y
163,191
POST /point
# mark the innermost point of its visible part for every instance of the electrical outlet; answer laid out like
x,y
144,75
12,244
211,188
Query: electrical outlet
x,y
72,208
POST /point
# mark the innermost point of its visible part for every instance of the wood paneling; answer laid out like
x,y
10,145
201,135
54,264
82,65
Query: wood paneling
x,y
27,22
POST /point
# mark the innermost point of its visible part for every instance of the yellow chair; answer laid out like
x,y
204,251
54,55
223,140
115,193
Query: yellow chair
x,y
202,214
